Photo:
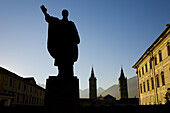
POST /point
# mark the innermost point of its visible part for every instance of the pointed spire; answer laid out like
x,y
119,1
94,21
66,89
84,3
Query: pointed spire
x,y
122,73
122,85
92,73
92,85
92,77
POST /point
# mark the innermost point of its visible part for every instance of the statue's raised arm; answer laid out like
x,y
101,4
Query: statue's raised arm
x,y
48,18
44,10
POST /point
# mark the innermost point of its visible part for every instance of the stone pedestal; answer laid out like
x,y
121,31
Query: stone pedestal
x,y
62,94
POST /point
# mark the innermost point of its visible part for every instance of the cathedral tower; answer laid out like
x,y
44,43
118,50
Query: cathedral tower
x,y
123,91
92,86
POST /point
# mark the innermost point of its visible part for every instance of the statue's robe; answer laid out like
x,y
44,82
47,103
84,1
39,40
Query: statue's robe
x,y
63,40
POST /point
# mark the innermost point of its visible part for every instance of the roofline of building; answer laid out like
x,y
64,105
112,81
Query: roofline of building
x,y
19,77
154,44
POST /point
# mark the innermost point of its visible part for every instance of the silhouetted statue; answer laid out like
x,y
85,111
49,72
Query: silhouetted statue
x,y
63,40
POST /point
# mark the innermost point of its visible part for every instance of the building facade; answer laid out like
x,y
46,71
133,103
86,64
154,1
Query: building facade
x,y
92,86
123,91
16,90
153,71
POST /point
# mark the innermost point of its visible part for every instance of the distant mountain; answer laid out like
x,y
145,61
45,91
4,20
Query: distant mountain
x,y
113,91
132,89
100,90
85,93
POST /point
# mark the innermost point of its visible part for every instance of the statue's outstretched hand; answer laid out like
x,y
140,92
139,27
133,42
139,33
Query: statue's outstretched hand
x,y
44,10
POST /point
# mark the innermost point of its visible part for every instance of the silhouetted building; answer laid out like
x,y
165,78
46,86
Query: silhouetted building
x,y
153,71
123,91
92,86
16,90
108,100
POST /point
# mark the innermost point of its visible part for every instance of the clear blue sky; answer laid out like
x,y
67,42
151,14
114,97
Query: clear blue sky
x,y
112,33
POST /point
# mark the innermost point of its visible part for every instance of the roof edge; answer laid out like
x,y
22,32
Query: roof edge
x,y
145,54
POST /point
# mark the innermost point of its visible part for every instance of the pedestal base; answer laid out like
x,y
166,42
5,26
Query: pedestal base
x,y
62,94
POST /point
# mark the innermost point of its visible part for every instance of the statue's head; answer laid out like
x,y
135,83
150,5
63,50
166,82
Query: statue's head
x,y
65,13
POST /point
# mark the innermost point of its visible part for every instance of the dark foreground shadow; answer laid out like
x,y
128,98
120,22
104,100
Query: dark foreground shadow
x,y
91,109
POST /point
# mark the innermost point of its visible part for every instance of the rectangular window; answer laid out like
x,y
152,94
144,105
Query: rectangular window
x,y
10,82
19,85
168,48
139,73
146,67
160,56
140,88
30,89
144,87
155,60
24,87
40,93
23,98
163,78
18,98
142,71
150,64
157,80
152,83
148,84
